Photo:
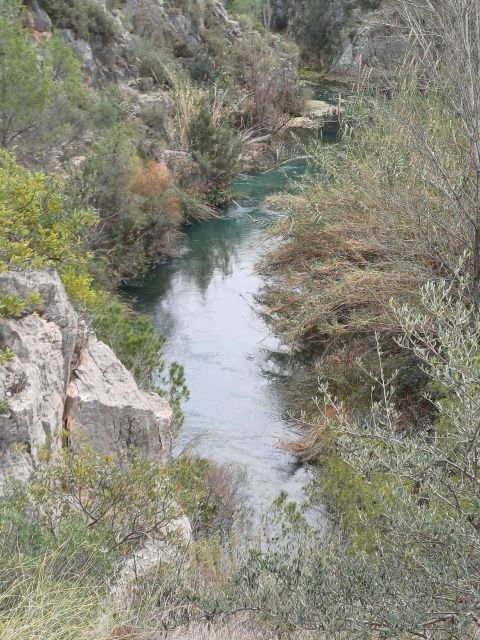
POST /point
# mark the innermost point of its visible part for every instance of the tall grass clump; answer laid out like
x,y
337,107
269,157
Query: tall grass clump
x,y
41,597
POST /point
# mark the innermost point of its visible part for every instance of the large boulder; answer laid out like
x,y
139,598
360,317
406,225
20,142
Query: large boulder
x,y
105,405
63,378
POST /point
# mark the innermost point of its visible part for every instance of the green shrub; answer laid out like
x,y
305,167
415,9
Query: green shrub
x,y
214,143
251,9
37,231
43,95
153,114
85,17
11,306
155,62
214,496
123,498
110,108
6,355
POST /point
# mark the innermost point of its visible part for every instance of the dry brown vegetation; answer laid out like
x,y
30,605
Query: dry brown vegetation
x,y
380,214
370,223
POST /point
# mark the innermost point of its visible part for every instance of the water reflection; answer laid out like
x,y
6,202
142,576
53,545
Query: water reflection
x,y
203,301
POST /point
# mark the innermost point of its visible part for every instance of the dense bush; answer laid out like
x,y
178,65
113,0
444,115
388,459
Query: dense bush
x,y
250,8
214,143
214,496
38,231
139,205
85,17
66,533
156,63
43,96
266,68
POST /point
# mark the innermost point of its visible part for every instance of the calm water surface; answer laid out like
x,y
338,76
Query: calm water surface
x,y
203,301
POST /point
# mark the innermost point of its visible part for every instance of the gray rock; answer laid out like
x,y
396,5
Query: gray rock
x,y
171,26
68,35
36,18
84,53
373,51
165,24
105,405
62,377
34,385
319,28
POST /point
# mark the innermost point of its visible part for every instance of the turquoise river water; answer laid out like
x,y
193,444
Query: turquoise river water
x,y
204,303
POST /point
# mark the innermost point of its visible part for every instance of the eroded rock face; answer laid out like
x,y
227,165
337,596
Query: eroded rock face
x,y
181,26
37,20
34,385
178,25
372,51
352,38
61,376
105,405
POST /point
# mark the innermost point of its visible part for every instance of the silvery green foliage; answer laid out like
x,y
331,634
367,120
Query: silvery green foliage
x,y
419,574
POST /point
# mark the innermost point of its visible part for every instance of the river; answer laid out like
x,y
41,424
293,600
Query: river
x,y
204,303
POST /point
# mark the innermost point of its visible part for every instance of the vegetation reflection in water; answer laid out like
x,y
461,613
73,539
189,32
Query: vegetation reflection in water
x,y
203,302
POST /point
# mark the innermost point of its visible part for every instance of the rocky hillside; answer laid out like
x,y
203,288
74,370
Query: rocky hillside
x,y
103,41
348,38
146,109
57,380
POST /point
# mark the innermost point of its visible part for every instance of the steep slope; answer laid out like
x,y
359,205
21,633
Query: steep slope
x,y
103,39
58,379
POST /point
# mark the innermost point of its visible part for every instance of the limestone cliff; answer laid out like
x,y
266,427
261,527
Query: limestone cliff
x,y
319,26
61,377
372,50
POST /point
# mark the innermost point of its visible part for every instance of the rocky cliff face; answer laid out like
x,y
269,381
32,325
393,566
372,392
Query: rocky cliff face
x,y
351,37
62,378
372,50
319,26
177,25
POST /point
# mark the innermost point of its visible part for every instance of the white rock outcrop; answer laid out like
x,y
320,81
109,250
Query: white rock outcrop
x,y
33,386
60,377
105,405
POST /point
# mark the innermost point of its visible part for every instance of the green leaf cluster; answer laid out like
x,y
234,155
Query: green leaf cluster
x,y
41,85
38,231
